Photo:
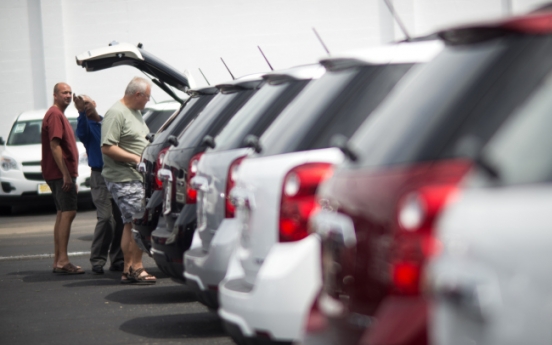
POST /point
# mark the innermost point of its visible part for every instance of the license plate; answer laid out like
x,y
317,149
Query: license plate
x,y
43,188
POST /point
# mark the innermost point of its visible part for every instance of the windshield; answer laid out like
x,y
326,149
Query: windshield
x,y
28,132
520,151
459,98
216,113
337,103
258,113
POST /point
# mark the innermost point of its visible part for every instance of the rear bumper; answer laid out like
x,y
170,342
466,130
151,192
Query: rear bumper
x,y
208,268
170,243
284,290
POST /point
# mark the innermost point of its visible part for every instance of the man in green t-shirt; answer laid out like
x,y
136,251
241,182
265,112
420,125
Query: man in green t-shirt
x,y
123,141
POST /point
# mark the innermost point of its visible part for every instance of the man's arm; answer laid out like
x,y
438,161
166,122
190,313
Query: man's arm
x,y
83,129
118,154
58,157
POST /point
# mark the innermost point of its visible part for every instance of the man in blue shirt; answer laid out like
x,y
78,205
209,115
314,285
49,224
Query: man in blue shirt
x,y
109,228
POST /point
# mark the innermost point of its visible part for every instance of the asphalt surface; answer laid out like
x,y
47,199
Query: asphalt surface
x,y
40,307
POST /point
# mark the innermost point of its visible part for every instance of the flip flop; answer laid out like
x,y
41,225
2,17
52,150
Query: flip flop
x,y
68,269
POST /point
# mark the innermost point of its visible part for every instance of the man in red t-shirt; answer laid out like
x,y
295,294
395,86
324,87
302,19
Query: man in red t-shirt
x,y
60,170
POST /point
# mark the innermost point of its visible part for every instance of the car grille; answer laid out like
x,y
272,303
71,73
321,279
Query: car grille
x,y
34,176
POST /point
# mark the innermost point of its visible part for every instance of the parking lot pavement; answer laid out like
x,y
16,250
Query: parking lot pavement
x,y
38,306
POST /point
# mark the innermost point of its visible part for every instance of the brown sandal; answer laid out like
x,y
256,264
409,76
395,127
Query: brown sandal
x,y
68,269
142,279
127,278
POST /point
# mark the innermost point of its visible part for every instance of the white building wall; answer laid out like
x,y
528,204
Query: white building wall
x,y
37,53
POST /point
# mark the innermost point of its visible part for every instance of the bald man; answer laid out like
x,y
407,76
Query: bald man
x,y
59,164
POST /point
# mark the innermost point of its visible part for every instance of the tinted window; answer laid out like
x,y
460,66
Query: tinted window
x,y
192,108
216,112
258,113
335,104
28,132
157,118
458,99
520,151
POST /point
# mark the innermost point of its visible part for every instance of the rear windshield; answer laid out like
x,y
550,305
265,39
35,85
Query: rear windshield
x,y
154,119
29,132
337,103
217,111
453,105
177,123
520,152
258,113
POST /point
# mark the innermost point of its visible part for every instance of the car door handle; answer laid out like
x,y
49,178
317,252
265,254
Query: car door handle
x,y
142,167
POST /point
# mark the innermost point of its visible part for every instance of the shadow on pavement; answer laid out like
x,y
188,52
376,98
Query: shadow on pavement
x,y
197,325
144,294
47,276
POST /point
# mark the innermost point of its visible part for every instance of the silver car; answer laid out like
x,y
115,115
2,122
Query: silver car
x,y
491,283
207,261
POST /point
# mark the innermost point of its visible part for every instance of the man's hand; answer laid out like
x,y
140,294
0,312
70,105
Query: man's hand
x,y
79,103
67,183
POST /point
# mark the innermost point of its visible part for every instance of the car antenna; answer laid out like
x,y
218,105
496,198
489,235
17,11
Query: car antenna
x,y
228,69
204,77
397,19
269,65
321,41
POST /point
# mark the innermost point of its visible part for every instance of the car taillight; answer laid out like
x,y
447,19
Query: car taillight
x,y
298,199
230,183
415,241
191,194
157,183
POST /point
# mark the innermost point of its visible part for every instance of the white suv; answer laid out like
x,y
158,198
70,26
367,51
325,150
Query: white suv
x,y
20,173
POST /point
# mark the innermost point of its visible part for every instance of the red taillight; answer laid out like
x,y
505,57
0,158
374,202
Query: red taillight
x,y
191,194
230,183
417,213
298,199
157,183
415,241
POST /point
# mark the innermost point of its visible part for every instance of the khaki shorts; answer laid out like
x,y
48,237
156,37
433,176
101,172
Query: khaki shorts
x,y
65,201
129,196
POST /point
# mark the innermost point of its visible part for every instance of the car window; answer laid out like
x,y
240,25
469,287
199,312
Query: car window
x,y
216,111
155,119
186,116
29,132
258,113
462,96
337,103
520,151
288,127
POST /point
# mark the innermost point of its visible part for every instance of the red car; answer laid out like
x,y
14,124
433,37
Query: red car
x,y
404,162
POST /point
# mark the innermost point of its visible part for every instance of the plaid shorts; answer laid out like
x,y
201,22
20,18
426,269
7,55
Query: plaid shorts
x,y
129,197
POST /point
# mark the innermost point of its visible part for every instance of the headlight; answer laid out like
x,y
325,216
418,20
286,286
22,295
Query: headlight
x,y
8,163
83,158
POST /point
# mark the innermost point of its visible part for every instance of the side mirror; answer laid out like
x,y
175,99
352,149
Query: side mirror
x,y
208,141
2,142
172,140
253,142
150,137
341,142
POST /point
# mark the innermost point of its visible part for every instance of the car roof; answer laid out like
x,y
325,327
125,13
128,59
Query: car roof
x,y
164,105
397,53
302,72
30,115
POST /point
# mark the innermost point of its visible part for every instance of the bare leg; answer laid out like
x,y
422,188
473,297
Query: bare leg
x,y
63,231
126,246
56,238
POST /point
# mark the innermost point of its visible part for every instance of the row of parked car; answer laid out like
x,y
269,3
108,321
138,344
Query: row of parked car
x,y
395,195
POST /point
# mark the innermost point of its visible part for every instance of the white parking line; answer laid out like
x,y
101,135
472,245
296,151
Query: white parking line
x,y
39,256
